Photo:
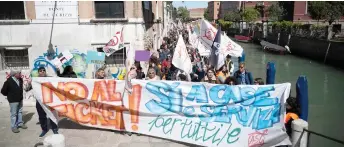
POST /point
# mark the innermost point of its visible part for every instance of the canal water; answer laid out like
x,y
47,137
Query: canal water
x,y
325,87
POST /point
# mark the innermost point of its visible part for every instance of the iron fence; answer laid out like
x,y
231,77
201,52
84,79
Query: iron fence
x,y
317,139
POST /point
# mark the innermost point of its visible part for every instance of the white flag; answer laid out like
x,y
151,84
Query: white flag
x,y
181,57
115,44
130,60
228,46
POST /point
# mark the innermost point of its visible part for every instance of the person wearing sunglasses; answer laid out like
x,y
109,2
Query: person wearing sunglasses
x,y
42,116
242,76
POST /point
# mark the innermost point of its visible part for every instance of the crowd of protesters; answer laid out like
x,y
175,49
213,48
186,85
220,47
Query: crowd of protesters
x,y
160,68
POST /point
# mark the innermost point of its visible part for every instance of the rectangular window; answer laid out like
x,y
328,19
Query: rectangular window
x,y
10,10
117,58
14,59
146,5
109,9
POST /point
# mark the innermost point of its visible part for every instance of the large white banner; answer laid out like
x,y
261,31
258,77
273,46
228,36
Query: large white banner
x,y
197,113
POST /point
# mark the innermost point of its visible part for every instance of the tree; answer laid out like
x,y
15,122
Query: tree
x,y
317,10
250,15
275,12
232,16
207,15
334,10
183,13
174,13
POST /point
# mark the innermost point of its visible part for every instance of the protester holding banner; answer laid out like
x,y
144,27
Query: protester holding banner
x,y
222,74
230,81
100,74
68,72
42,116
152,75
242,76
211,77
258,81
139,72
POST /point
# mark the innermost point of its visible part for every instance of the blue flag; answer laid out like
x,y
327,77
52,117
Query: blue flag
x,y
215,48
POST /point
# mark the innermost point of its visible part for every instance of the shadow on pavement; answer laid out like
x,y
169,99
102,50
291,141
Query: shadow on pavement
x,y
27,117
68,124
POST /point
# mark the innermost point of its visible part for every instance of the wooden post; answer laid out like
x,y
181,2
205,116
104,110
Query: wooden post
x,y
278,38
328,48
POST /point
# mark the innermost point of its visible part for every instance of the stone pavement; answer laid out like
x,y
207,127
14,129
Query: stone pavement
x,y
75,134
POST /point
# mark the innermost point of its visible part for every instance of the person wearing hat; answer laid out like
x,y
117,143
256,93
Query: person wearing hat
x,y
13,88
42,116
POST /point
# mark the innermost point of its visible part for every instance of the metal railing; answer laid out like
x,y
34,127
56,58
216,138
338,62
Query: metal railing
x,y
309,133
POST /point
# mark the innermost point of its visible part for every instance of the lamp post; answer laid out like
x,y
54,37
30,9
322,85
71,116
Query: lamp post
x,y
51,51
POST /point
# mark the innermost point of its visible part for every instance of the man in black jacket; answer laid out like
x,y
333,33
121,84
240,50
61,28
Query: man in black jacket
x,y
42,116
13,89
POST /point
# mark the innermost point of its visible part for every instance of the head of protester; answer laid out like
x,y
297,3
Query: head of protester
x,y
42,72
211,77
258,81
100,74
230,81
68,72
152,75
242,76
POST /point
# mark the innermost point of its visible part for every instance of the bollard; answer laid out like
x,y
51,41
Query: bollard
x,y
297,128
55,140
302,96
270,73
242,58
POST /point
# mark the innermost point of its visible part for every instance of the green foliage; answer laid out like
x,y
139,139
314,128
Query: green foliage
x,y
174,13
183,13
328,10
250,15
285,26
206,15
317,10
232,16
275,12
334,10
225,24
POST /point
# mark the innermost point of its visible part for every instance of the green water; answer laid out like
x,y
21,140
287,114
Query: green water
x,y
325,87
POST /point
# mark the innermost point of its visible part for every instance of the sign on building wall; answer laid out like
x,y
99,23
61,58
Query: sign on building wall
x,y
64,9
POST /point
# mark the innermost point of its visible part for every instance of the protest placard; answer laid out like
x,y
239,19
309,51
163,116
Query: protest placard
x,y
62,58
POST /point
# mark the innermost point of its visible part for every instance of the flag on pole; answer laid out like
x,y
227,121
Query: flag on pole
x,y
215,57
181,57
115,44
227,47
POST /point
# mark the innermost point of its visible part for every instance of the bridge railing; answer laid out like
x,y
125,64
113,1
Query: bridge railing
x,y
317,139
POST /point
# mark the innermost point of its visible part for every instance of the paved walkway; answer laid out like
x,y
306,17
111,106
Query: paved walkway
x,y
76,135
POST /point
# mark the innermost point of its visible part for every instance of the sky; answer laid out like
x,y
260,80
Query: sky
x,y
191,4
